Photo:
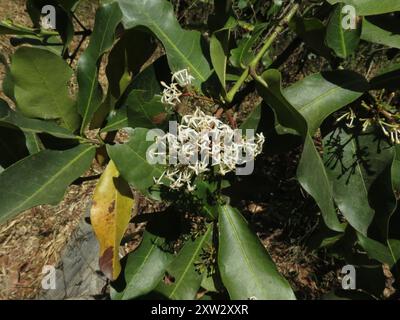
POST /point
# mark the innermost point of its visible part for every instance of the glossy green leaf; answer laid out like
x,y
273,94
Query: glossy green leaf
x,y
41,178
342,41
41,86
13,119
252,120
359,170
379,251
183,48
396,170
219,50
246,268
127,57
8,27
371,7
90,92
116,120
33,143
143,112
130,159
146,266
319,95
243,54
382,29
311,172
187,279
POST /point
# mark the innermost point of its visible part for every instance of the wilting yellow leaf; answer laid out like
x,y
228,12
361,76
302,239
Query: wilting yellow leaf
x,y
110,215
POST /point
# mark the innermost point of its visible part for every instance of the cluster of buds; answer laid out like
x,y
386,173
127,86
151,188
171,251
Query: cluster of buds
x,y
200,143
172,93
387,121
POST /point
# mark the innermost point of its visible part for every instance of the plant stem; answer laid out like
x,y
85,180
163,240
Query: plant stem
x,y
253,64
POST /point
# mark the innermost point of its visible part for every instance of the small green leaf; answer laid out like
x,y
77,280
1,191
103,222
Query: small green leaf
x,y
246,268
219,50
252,120
187,279
342,41
146,266
243,54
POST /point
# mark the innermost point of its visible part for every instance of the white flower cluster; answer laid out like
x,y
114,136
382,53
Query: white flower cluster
x,y
391,130
172,92
201,142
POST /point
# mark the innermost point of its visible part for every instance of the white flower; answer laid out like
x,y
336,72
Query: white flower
x,y
182,77
172,93
201,138
349,116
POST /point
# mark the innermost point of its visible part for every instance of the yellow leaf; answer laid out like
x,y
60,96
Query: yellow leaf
x,y
110,215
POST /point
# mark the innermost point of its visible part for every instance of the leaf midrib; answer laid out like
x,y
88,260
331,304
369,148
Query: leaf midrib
x,y
51,180
190,263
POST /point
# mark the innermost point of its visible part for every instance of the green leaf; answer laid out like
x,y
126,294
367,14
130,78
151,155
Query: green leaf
x,y
243,54
116,120
253,119
319,95
8,27
219,50
371,7
246,268
130,159
187,279
125,58
90,92
33,143
313,32
383,29
41,91
311,172
41,179
146,266
396,170
143,112
10,118
378,251
183,48
343,42
388,78
359,170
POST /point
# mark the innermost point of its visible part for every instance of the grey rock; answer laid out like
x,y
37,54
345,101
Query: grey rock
x,y
78,275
